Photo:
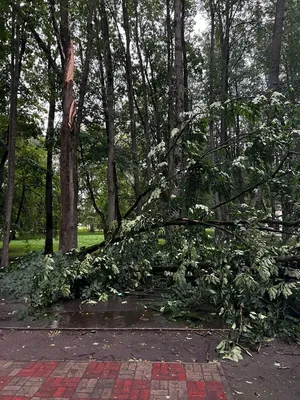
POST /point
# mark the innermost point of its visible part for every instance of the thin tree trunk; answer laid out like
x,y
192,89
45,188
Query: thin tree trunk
x,y
49,173
92,228
179,77
186,106
2,165
91,192
15,66
110,112
13,230
68,153
212,74
274,83
211,96
86,68
145,95
224,41
130,92
170,87
179,67
5,154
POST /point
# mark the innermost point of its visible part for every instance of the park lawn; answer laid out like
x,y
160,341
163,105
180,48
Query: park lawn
x,y
19,247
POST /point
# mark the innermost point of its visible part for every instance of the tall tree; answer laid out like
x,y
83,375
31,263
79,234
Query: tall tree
x,y
12,132
68,146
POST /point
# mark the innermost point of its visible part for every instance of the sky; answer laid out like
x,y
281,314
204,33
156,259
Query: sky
x,y
200,23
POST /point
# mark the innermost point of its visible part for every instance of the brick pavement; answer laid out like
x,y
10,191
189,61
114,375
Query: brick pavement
x,y
111,380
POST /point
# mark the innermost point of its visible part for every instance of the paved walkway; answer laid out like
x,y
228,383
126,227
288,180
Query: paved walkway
x,y
111,380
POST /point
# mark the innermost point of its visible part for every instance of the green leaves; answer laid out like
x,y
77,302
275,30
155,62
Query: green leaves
x,y
228,350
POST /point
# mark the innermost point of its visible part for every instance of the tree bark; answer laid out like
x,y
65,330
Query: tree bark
x,y
176,156
179,62
86,68
5,153
91,191
12,131
68,153
130,93
110,125
225,57
21,204
49,173
186,105
211,95
274,83
2,165
145,95
170,87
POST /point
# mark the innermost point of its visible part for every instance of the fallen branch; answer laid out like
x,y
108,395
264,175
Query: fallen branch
x,y
188,222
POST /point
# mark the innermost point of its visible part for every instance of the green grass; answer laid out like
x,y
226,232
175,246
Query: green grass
x,y
21,246
35,242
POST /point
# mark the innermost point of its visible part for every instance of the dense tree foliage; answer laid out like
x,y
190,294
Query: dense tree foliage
x,y
182,146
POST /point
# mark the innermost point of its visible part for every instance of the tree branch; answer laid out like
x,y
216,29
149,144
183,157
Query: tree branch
x,y
252,187
56,30
184,222
42,45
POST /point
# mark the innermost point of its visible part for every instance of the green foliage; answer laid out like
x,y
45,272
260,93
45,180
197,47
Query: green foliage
x,y
43,280
232,270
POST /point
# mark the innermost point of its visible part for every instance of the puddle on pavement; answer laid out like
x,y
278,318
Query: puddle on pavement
x,y
107,319
118,312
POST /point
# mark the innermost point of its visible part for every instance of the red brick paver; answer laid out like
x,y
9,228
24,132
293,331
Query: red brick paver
x,y
111,380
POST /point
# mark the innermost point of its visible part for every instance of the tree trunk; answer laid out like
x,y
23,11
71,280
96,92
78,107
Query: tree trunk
x,y
179,64
170,87
110,126
68,153
211,95
186,105
13,235
179,81
2,165
85,67
49,173
274,83
145,95
15,77
130,93
224,29
92,228
5,154
224,42
91,191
